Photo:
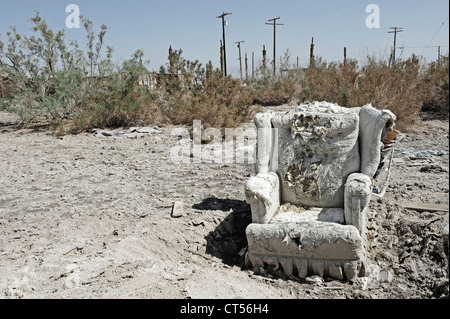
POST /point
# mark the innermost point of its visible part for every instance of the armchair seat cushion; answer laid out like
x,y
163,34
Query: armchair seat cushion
x,y
293,214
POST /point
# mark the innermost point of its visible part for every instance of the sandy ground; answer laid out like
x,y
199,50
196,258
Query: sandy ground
x,y
89,217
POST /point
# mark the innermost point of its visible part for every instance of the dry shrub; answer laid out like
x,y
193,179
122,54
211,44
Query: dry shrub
x,y
393,88
218,110
274,90
330,82
435,88
114,110
216,101
396,88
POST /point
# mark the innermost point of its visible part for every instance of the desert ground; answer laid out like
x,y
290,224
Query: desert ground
x,y
83,216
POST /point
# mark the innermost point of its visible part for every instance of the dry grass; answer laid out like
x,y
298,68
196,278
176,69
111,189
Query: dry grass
x,y
406,89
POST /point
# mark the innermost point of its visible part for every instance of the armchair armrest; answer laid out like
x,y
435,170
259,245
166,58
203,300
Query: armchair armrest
x,y
262,192
373,125
357,195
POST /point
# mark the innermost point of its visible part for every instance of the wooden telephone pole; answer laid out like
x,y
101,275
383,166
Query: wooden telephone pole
x,y
274,23
240,57
396,30
264,52
246,66
253,64
439,55
345,56
221,57
222,16
311,54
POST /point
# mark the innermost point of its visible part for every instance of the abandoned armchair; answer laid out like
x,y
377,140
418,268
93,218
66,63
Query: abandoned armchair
x,y
315,165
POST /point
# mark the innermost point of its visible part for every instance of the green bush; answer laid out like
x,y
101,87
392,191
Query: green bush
x,y
49,75
75,89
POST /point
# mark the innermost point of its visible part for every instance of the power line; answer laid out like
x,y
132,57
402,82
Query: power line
x,y
425,46
434,36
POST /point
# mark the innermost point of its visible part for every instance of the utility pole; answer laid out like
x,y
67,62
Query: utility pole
x,y
253,64
246,66
311,54
439,55
222,16
396,30
345,57
264,52
274,23
221,57
240,58
171,66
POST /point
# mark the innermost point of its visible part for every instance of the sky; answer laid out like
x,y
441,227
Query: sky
x,y
193,26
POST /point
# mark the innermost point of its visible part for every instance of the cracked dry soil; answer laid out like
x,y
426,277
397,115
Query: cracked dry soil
x,y
89,217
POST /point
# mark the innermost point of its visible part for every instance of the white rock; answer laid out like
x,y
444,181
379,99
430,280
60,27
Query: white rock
x,y
372,280
177,209
314,279
386,276
445,231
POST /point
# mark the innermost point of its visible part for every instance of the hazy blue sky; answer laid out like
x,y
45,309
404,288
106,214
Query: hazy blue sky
x,y
192,26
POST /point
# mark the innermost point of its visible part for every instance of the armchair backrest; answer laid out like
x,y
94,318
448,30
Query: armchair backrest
x,y
315,147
